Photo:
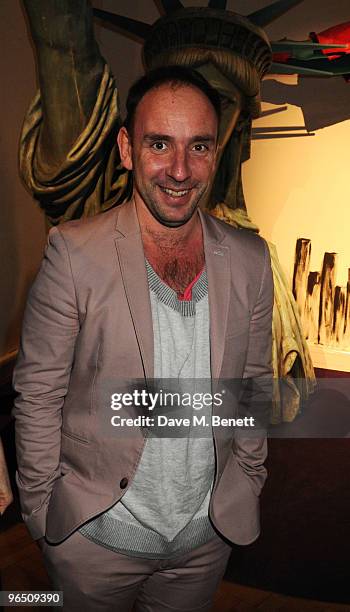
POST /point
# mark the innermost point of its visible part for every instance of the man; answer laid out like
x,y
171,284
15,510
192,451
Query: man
x,y
149,290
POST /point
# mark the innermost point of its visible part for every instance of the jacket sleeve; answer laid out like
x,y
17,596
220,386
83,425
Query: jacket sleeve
x,y
256,390
41,379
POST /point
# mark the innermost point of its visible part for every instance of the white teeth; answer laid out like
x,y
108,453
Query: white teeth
x,y
176,194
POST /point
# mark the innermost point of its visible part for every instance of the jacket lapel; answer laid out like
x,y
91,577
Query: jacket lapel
x,y
217,260
134,276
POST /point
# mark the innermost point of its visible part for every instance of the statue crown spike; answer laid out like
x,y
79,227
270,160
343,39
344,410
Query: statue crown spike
x,y
127,25
271,12
260,18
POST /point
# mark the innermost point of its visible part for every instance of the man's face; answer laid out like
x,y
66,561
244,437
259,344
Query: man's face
x,y
171,151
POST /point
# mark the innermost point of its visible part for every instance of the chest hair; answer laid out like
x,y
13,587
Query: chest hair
x,y
176,259
177,271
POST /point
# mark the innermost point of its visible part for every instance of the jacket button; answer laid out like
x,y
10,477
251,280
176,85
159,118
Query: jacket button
x,y
123,483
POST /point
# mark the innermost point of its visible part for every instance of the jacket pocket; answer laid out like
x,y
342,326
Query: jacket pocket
x,y
74,437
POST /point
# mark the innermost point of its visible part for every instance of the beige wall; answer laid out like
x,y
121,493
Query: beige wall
x,y
299,188
294,187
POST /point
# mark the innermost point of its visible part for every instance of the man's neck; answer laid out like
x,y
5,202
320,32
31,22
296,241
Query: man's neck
x,y
175,253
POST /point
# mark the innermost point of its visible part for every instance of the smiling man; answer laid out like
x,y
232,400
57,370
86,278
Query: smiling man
x,y
151,289
169,141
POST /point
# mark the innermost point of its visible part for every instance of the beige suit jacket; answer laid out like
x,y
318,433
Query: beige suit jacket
x,y
88,319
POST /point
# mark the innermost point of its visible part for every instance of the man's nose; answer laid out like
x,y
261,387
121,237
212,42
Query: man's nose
x,y
179,168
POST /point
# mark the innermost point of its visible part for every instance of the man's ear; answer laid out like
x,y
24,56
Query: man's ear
x,y
124,144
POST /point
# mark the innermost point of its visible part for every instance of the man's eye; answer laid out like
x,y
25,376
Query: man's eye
x,y
200,148
159,146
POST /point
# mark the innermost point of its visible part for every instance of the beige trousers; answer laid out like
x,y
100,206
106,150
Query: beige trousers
x,y
96,579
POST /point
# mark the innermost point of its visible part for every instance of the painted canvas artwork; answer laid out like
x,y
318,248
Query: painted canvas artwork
x,y
323,305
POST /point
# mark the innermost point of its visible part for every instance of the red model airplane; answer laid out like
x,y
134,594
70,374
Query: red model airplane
x,y
324,54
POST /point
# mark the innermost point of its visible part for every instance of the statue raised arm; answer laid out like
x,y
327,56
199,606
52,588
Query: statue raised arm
x,y
70,69
68,155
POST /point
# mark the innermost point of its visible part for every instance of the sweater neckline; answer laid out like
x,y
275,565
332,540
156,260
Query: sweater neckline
x,y
168,296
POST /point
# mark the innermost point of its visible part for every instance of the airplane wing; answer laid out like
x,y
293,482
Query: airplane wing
x,y
278,68
290,45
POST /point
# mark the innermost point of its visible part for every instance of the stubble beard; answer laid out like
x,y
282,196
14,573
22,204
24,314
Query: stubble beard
x,y
160,216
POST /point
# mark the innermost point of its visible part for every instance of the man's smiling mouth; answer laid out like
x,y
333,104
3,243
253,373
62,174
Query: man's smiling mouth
x,y
175,194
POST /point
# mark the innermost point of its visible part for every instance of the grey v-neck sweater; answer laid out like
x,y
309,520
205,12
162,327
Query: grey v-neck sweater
x,y
165,510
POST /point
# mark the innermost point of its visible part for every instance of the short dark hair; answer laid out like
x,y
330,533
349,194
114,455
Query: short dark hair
x,y
172,75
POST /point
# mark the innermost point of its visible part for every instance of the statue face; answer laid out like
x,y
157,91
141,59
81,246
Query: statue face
x,y
172,151
232,101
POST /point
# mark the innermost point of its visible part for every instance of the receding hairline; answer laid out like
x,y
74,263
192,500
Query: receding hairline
x,y
175,84
171,77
